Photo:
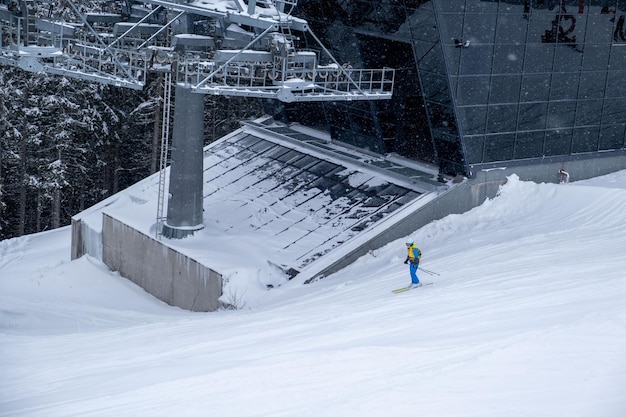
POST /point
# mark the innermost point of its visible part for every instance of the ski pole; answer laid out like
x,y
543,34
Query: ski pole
x,y
429,272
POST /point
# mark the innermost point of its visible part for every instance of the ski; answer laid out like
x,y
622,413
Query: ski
x,y
403,289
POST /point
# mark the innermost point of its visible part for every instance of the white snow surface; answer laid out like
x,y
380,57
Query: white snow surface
x,y
526,317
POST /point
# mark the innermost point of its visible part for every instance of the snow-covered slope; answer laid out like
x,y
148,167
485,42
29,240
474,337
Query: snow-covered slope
x,y
526,318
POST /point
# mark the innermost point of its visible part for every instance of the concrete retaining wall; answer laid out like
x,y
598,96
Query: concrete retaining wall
x,y
77,240
579,168
85,241
163,272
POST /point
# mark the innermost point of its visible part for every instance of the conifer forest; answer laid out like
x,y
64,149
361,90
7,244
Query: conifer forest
x,y
66,144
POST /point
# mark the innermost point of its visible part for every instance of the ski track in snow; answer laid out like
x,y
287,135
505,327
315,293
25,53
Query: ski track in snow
x,y
527,318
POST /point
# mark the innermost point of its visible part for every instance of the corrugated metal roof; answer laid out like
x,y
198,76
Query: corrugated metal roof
x,y
307,202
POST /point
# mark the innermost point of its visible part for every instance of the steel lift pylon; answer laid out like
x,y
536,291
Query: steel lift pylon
x,y
236,48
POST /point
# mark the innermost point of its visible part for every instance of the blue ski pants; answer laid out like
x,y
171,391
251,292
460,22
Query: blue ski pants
x,y
413,271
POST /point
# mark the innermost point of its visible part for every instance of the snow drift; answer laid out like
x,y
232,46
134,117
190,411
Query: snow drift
x,y
526,318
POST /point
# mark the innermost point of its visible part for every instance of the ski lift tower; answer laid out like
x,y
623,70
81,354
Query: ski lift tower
x,y
218,47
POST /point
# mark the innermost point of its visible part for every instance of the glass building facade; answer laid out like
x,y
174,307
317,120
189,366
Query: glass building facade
x,y
479,83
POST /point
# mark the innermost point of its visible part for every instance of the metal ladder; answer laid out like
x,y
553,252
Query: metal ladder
x,y
30,32
165,144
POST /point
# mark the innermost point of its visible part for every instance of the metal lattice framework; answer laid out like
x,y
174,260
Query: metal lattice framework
x,y
209,46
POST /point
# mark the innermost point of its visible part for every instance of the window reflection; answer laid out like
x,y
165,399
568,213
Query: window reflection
x,y
510,79
557,77
529,145
585,140
558,142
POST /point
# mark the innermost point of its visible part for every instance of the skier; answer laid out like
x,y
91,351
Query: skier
x,y
413,259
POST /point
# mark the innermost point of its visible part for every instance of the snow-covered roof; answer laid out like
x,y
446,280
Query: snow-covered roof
x,y
277,199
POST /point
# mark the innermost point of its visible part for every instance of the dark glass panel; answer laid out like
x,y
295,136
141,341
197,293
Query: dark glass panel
x,y
596,57
362,123
474,149
320,11
508,59
473,119
433,61
359,12
360,141
567,59
435,87
617,59
540,22
451,167
339,118
576,27
589,112
614,112
454,85
501,118
512,6
600,6
601,30
612,137
535,87
451,6
407,126
451,25
423,26
585,140
482,7
499,147
561,114
453,57
473,90
421,48
564,86
592,84
539,57
505,88
529,145
616,85
532,116
511,29
479,28
450,154
441,117
562,28
414,4
476,59
558,142
392,17
561,64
